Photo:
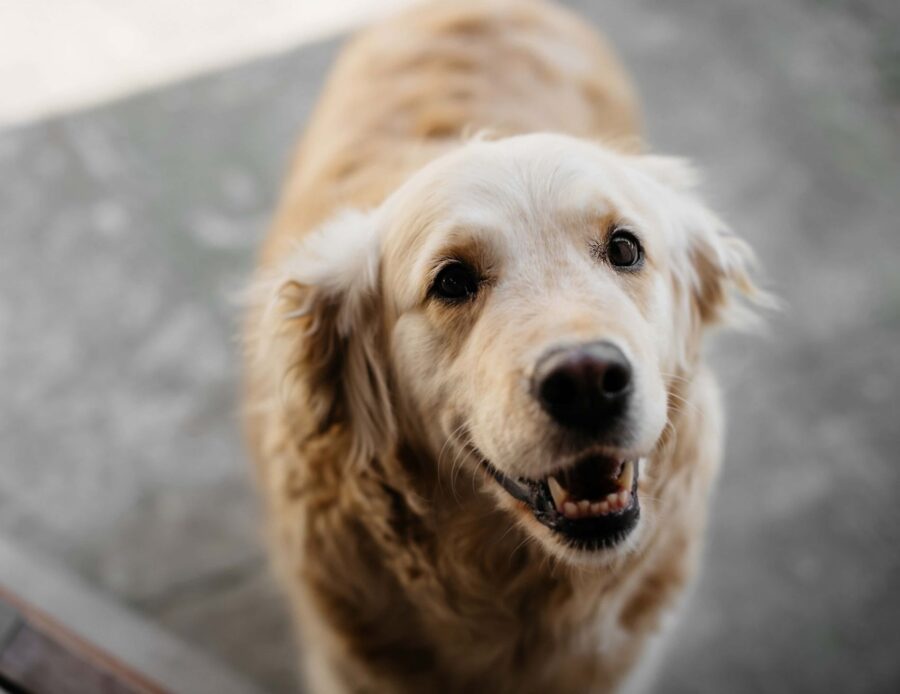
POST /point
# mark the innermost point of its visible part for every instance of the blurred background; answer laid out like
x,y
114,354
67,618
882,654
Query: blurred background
x,y
141,150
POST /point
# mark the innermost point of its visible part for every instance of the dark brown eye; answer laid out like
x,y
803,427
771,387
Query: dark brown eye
x,y
456,282
624,250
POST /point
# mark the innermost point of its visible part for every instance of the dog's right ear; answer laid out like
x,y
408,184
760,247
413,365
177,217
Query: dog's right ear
x,y
320,335
714,266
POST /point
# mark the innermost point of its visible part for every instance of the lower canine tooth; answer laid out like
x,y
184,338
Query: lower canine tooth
x,y
557,492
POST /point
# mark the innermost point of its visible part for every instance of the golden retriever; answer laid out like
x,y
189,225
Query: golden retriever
x,y
475,390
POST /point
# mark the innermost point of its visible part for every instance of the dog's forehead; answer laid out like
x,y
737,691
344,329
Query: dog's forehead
x,y
516,195
524,176
517,182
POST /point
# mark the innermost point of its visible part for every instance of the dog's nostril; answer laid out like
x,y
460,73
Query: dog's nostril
x,y
559,387
616,379
584,387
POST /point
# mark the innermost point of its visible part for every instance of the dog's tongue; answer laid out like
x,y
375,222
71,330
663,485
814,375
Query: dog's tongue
x,y
593,478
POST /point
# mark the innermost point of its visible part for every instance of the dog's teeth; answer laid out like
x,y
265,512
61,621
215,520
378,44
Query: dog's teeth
x,y
557,492
581,508
626,477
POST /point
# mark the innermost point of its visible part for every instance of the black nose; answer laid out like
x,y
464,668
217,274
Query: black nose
x,y
585,387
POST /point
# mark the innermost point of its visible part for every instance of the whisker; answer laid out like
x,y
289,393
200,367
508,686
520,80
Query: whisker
x,y
453,439
676,377
440,457
688,403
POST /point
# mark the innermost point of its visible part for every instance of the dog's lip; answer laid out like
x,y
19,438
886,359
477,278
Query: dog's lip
x,y
591,532
521,488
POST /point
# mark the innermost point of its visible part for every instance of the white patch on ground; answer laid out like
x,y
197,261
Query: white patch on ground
x,y
58,56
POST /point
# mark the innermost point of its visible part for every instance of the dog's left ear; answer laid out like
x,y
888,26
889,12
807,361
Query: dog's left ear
x,y
325,345
712,265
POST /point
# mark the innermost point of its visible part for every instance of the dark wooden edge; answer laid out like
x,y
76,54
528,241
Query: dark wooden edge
x,y
22,618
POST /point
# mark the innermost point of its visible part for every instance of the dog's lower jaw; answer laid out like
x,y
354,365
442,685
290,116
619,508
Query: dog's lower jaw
x,y
566,556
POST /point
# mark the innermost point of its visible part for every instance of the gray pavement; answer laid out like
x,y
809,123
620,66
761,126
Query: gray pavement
x,y
126,230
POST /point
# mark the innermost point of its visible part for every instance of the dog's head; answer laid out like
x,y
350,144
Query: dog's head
x,y
522,307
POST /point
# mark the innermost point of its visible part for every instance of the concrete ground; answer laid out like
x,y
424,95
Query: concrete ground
x,y
126,230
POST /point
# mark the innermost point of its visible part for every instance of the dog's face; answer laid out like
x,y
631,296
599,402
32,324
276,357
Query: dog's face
x,y
528,304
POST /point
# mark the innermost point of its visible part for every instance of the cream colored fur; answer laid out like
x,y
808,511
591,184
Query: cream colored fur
x,y
410,569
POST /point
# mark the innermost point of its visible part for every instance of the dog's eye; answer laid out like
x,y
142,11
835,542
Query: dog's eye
x,y
456,282
624,250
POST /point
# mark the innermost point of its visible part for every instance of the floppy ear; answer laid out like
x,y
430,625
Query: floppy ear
x,y
712,265
722,288
322,334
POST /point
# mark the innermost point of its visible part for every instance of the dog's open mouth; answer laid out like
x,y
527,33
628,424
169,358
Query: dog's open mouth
x,y
592,504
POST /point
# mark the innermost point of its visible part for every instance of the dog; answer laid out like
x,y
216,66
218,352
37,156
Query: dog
x,y
475,390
